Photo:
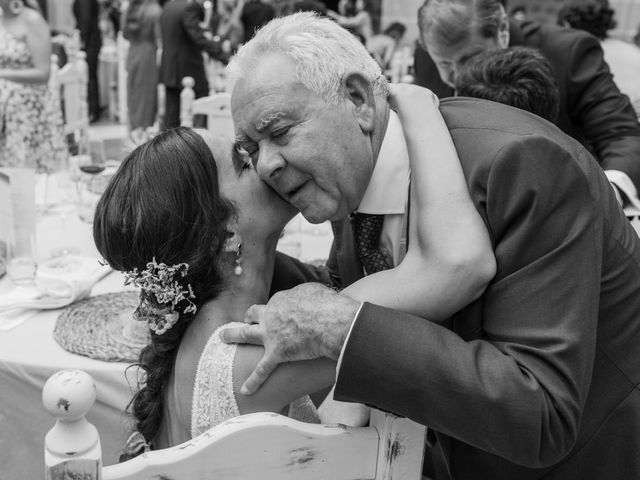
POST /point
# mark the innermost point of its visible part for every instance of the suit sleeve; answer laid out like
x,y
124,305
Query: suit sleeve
x,y
191,23
82,11
518,390
426,74
290,272
605,115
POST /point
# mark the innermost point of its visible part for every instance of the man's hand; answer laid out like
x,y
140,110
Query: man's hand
x,y
306,322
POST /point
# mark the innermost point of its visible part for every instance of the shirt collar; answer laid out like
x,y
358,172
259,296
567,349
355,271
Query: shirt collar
x,y
388,189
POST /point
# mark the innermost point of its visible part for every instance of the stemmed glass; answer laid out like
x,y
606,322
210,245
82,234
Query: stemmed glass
x,y
88,189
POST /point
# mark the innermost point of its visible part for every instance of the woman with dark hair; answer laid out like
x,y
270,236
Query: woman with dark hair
x,y
141,26
190,222
212,225
30,119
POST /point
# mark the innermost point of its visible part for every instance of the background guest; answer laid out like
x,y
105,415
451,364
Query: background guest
x,y
310,6
354,16
516,76
384,45
592,109
87,13
183,41
255,14
30,121
141,23
623,58
227,24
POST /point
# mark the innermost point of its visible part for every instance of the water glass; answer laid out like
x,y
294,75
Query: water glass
x,y
21,262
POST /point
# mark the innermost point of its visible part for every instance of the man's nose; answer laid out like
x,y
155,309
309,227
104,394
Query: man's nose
x,y
270,164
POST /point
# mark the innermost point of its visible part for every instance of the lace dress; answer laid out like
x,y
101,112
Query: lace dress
x,y
213,397
30,123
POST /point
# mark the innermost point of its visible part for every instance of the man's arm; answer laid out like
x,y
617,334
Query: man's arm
x,y
605,115
518,389
191,23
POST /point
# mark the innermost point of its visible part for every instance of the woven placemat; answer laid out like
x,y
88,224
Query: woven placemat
x,y
94,328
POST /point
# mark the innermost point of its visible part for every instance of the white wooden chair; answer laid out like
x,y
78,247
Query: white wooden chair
x,y
216,107
69,83
259,446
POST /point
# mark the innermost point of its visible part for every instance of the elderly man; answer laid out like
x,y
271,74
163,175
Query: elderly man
x,y
538,377
592,109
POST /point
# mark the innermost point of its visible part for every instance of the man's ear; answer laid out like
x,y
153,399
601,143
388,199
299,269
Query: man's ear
x,y
360,92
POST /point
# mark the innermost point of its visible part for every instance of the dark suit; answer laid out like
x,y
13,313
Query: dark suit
x,y
183,42
592,109
255,15
539,377
87,13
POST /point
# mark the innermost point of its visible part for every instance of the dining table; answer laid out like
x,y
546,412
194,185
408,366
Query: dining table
x,y
29,353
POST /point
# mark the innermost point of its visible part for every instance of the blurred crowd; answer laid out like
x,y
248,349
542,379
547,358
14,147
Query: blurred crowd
x,y
167,39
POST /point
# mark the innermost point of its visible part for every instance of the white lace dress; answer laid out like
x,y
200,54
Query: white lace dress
x,y
213,397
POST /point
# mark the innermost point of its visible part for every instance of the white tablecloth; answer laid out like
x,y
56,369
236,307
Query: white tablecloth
x,y
28,357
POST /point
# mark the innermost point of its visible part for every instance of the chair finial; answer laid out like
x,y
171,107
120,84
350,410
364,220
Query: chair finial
x,y
69,394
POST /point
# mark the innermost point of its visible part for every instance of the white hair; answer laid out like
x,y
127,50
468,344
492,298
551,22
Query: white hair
x,y
322,50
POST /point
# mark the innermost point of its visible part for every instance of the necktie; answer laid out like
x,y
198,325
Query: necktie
x,y
367,229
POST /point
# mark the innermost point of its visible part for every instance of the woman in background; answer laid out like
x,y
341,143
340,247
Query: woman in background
x,y
354,17
30,119
141,26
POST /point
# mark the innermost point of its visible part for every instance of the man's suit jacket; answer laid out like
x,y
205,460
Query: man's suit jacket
x,y
592,109
539,377
183,42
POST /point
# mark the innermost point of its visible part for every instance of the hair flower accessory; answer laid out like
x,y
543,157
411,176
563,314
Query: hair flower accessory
x,y
160,293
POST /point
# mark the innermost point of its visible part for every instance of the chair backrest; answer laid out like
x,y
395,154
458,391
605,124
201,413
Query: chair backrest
x,y
69,85
216,107
250,447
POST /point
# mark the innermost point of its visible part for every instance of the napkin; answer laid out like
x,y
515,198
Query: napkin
x,y
59,282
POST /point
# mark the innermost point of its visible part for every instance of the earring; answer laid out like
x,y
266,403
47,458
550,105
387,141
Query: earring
x,y
237,270
16,6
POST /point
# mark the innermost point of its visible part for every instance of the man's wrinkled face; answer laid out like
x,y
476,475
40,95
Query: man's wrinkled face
x,y
449,58
314,155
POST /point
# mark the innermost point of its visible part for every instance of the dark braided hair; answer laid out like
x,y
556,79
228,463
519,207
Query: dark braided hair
x,y
593,16
164,203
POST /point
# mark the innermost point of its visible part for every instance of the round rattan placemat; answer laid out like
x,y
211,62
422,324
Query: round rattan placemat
x,y
94,328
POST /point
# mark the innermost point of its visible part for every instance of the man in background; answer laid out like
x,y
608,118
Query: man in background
x,y
87,13
254,15
592,109
183,41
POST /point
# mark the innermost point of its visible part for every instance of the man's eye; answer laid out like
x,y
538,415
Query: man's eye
x,y
279,134
242,159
